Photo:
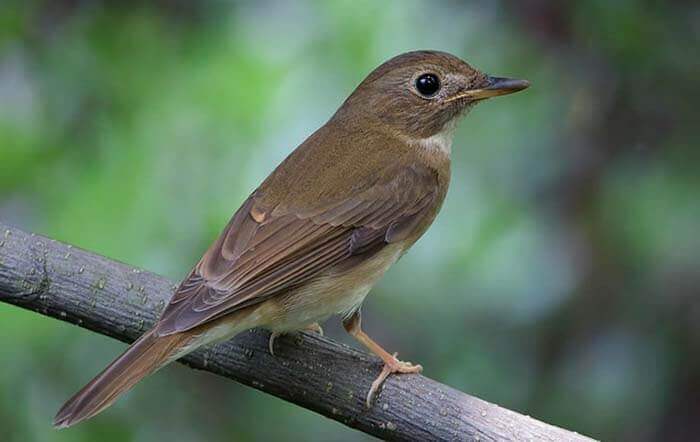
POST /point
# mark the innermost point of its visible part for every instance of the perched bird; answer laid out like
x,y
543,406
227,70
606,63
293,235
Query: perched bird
x,y
319,232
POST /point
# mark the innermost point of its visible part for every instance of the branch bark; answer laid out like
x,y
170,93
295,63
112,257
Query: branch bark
x,y
332,379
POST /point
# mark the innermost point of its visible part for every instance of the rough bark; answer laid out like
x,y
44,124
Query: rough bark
x,y
312,371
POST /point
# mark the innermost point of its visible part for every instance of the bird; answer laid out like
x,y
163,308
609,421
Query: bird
x,y
311,241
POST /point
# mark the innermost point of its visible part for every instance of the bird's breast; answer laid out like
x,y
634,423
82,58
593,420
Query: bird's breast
x,y
335,292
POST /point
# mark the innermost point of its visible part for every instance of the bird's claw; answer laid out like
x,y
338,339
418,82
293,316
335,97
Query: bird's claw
x,y
390,367
271,342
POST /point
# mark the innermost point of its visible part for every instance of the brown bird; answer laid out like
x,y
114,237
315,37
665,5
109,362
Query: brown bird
x,y
319,232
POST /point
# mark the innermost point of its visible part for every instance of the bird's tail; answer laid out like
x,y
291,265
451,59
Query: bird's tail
x,y
149,353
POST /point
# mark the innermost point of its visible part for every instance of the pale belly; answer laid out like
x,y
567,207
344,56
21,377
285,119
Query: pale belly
x,y
332,294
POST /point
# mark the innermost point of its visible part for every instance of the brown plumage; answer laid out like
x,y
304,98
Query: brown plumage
x,y
322,228
143,357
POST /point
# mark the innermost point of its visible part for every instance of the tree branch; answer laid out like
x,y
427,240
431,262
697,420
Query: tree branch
x,y
314,372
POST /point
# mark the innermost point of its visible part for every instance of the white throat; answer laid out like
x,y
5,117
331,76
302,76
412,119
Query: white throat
x,y
441,141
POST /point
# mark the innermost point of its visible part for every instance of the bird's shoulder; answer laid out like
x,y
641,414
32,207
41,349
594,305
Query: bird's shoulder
x,y
335,164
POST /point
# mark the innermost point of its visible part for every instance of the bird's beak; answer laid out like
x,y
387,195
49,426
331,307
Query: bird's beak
x,y
495,86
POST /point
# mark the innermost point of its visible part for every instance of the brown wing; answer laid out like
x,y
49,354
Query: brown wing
x,y
265,251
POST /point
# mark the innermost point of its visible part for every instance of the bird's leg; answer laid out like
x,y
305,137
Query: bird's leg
x,y
353,326
314,327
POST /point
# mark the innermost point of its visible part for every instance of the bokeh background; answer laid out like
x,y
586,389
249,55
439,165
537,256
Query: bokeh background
x,y
560,280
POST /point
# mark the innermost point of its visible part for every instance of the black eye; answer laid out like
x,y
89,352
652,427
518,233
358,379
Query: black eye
x,y
428,85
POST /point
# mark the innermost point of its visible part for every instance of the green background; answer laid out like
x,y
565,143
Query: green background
x,y
560,280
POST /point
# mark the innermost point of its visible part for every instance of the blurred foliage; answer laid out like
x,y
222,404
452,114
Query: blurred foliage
x,y
560,279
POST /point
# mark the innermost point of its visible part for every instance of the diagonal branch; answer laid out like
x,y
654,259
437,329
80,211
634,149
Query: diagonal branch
x,y
120,301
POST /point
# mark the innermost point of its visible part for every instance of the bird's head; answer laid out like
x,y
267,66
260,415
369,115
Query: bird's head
x,y
421,94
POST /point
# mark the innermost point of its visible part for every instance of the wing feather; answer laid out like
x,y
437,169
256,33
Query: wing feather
x,y
266,250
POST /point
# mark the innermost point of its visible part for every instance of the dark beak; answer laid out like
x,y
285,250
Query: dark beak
x,y
504,86
495,86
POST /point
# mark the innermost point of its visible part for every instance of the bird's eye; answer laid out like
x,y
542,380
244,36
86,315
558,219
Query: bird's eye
x,y
427,85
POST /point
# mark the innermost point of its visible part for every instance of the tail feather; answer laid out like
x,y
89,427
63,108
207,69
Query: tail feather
x,y
149,353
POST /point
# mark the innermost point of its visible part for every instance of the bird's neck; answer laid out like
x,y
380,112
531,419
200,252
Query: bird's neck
x,y
438,145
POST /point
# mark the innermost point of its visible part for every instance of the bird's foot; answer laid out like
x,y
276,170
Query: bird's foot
x,y
314,327
391,366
